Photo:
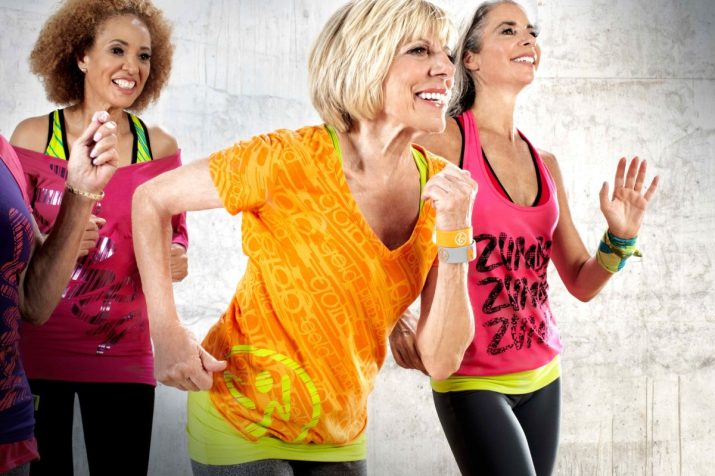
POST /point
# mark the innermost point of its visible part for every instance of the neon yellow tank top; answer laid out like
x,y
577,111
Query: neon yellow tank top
x,y
58,147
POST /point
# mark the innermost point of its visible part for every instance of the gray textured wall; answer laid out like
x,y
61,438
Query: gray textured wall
x,y
618,78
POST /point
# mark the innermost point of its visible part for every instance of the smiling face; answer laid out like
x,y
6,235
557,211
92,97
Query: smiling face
x,y
118,63
509,52
418,85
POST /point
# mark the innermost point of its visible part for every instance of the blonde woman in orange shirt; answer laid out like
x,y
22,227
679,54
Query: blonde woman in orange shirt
x,y
338,224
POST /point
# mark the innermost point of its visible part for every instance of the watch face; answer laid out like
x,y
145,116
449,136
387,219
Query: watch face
x,y
461,238
443,254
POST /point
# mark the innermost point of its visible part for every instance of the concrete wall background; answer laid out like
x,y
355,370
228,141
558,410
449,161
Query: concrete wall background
x,y
617,78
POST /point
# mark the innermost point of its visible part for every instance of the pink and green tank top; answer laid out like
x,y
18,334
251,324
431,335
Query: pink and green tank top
x,y
58,146
516,343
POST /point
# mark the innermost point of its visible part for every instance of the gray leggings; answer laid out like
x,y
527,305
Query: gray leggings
x,y
280,467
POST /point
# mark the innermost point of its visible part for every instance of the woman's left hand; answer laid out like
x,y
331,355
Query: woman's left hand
x,y
91,235
452,192
179,262
624,211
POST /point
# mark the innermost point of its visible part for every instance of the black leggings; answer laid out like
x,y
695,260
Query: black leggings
x,y
116,420
491,433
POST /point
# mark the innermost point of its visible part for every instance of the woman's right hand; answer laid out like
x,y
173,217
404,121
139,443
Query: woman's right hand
x,y
94,157
180,361
452,192
403,343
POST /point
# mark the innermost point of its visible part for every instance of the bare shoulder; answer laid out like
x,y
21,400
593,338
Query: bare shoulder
x,y
551,163
31,134
447,144
163,144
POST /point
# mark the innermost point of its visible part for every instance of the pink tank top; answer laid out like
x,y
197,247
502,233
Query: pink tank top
x,y
514,327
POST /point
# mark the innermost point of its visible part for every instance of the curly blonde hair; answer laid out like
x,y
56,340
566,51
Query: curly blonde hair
x,y
71,31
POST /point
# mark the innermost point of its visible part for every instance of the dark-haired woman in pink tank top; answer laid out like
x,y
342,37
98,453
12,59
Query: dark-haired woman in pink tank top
x,y
500,410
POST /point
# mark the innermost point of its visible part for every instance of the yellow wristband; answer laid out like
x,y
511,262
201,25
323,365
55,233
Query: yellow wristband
x,y
82,193
454,238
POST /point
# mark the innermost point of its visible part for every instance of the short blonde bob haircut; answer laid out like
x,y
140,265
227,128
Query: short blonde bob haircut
x,y
352,55
70,32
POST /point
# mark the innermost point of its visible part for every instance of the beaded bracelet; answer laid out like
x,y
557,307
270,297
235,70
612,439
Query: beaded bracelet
x,y
82,193
614,251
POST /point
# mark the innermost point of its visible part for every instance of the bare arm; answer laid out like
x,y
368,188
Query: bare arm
x,y
446,325
53,259
180,360
435,344
578,269
163,145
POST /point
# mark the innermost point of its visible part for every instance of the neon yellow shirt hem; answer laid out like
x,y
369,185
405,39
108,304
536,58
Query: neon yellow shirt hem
x,y
213,441
517,383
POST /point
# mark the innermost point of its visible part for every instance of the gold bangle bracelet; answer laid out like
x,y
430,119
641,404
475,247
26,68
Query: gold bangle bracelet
x,y
82,193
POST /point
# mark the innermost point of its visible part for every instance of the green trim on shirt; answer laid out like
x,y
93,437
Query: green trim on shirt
x,y
212,440
517,383
141,143
56,146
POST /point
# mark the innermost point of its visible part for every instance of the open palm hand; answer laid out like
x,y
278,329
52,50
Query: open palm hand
x,y
625,209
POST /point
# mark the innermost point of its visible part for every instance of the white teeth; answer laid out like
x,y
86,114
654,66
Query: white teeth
x,y
524,59
124,84
442,98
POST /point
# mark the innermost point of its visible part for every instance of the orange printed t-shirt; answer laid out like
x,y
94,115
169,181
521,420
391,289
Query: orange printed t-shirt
x,y
305,332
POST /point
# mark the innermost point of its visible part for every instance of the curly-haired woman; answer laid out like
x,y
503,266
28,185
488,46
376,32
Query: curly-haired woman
x,y
111,55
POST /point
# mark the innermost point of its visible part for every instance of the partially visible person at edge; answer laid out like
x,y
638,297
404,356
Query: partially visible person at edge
x,y
35,269
500,410
337,225
112,55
